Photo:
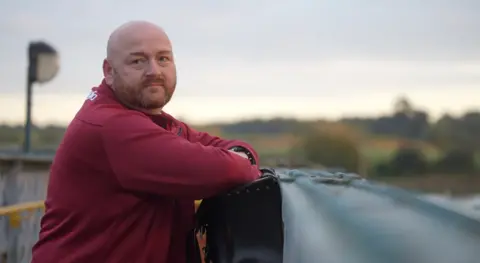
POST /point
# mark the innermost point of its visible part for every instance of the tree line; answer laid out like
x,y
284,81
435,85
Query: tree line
x,y
457,137
448,132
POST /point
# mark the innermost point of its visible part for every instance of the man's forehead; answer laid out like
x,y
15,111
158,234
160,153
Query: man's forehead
x,y
147,45
140,38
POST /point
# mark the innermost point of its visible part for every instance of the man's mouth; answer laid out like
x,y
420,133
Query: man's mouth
x,y
155,84
155,88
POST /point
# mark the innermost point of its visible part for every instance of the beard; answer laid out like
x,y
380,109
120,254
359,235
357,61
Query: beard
x,y
143,96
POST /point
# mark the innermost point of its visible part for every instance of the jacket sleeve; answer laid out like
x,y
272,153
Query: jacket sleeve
x,y
148,158
209,140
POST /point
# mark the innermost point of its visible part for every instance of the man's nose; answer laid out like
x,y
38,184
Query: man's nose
x,y
154,68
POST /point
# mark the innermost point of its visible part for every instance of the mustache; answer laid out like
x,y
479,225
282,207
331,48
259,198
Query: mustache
x,y
154,81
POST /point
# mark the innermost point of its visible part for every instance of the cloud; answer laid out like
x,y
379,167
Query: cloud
x,y
282,30
24,22
307,30
251,47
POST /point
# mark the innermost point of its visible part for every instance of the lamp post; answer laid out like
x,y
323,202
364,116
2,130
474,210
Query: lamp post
x,y
43,66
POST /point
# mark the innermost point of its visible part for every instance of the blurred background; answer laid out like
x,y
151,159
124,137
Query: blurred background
x,y
387,89
400,80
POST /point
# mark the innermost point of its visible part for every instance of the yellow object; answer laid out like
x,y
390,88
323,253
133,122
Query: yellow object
x,y
13,209
15,220
14,212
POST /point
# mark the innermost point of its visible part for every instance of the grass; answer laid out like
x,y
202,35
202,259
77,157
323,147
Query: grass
x,y
375,149
381,149
267,145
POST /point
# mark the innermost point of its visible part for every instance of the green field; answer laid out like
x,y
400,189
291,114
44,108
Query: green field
x,y
374,149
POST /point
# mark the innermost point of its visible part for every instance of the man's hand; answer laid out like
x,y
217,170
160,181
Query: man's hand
x,y
244,155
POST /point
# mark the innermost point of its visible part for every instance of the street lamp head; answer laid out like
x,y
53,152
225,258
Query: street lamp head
x,y
43,66
43,62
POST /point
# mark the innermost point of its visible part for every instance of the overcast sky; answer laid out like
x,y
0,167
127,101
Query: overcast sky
x,y
245,59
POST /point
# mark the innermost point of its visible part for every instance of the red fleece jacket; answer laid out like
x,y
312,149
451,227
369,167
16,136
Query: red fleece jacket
x,y
123,184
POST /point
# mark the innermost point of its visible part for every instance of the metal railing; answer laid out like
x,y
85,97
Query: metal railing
x,y
21,225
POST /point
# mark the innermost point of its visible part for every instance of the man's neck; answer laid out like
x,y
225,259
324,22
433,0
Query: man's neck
x,y
152,111
157,111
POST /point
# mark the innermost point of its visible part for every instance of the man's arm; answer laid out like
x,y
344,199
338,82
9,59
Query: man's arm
x,y
240,147
147,158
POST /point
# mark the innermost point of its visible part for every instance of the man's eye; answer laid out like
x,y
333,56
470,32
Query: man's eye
x,y
164,58
136,61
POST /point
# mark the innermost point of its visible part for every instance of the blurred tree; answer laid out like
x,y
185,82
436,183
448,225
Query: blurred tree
x,y
259,126
10,134
403,105
49,135
407,160
456,161
457,133
405,122
333,146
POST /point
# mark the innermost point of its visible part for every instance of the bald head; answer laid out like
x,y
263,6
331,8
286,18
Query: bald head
x,y
130,32
139,66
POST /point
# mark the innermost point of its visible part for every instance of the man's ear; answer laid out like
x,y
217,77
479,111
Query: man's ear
x,y
107,72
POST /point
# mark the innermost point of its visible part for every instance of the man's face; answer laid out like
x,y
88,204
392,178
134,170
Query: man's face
x,y
143,74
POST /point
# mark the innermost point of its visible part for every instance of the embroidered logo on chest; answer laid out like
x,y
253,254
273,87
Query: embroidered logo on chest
x,y
92,95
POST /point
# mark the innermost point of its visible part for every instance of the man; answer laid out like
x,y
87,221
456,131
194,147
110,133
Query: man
x,y
124,179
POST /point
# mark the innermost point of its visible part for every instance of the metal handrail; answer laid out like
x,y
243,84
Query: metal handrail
x,y
12,209
13,212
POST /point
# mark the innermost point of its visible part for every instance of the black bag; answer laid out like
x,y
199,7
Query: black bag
x,y
244,225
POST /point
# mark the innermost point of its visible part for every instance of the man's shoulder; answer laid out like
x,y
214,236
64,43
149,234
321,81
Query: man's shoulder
x,y
99,114
86,129
98,110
